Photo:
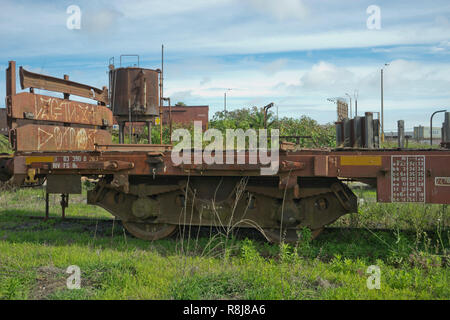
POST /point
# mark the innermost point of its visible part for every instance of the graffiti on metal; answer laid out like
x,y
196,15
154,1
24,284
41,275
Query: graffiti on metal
x,y
57,138
45,108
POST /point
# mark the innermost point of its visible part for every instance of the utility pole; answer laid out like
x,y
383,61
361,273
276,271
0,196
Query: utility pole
x,y
382,108
382,104
161,96
278,120
350,97
225,100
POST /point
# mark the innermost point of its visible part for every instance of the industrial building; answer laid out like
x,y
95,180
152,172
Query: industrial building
x,y
184,115
422,133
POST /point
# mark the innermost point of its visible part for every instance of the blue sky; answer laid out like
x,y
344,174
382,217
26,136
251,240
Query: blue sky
x,y
296,53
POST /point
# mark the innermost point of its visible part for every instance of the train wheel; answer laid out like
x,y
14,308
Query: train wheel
x,y
150,231
288,236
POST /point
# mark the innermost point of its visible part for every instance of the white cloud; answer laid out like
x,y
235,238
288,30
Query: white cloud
x,y
205,80
282,9
181,96
206,27
325,75
102,21
442,47
274,66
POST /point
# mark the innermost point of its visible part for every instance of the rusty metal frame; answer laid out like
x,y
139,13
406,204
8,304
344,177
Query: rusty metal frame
x,y
374,167
39,81
43,123
51,109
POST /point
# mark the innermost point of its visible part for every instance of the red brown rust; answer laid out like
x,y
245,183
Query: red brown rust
x,y
45,108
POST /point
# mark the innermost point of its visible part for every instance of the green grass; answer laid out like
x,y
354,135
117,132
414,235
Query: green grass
x,y
412,144
413,257
4,145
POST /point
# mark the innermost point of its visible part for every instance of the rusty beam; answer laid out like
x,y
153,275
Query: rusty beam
x,y
101,166
27,105
39,81
134,147
420,176
57,138
11,79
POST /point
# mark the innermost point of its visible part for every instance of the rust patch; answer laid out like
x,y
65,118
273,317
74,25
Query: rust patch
x,y
38,107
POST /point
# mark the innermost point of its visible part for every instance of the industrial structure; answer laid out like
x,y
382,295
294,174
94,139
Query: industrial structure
x,y
59,140
181,115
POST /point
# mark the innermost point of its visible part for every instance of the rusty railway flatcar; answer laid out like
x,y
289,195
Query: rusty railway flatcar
x,y
61,140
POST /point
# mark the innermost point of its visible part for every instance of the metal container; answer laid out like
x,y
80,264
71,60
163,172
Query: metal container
x,y
369,130
339,134
134,92
347,133
358,132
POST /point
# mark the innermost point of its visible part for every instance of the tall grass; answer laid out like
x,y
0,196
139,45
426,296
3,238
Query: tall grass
x,y
413,257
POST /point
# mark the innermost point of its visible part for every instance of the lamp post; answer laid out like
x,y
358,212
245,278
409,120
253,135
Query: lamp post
x,y
225,100
382,103
350,97
431,125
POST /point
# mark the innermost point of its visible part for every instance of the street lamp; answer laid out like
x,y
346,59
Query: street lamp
x,y
431,125
225,100
349,96
382,104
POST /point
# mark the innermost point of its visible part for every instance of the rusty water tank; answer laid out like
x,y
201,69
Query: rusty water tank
x,y
134,91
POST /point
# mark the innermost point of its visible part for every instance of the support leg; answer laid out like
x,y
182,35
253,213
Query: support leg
x,y
121,132
46,206
64,204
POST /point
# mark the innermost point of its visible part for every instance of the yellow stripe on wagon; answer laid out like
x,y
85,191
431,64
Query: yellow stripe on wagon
x,y
30,160
360,160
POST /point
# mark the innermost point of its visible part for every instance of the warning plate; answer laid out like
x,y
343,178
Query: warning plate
x,y
442,181
408,179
